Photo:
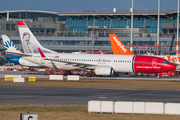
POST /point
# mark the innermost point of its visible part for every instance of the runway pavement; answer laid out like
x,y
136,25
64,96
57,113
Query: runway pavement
x,y
81,96
58,95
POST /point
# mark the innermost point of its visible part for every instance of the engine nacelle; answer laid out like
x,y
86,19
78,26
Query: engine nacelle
x,y
104,70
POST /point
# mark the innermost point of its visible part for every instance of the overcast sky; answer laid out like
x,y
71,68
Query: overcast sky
x,y
82,5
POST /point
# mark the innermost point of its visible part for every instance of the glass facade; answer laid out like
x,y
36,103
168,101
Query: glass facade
x,y
79,24
2,26
10,26
100,43
76,25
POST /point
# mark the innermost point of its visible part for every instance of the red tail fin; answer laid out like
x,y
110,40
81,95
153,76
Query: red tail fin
x,y
117,46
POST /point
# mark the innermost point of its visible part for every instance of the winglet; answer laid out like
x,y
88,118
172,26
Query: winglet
x,y
100,52
21,23
117,46
41,53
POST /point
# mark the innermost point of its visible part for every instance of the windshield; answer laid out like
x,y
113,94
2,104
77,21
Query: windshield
x,y
164,61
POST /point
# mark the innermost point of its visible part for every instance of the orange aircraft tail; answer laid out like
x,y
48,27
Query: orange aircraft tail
x,y
117,46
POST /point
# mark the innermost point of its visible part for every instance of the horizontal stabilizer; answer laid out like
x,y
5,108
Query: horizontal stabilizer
x,y
20,54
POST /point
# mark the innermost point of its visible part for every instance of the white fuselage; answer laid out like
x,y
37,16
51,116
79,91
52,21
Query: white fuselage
x,y
120,63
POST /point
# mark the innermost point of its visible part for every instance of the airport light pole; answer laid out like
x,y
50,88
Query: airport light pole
x,y
158,28
86,28
177,42
93,37
131,45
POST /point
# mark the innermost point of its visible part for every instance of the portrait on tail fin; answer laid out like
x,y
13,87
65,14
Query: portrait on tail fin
x,y
117,46
27,45
29,42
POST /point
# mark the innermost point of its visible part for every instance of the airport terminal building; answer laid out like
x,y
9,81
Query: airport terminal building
x,y
87,31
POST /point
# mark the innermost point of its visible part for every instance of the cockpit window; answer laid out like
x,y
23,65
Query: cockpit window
x,y
164,61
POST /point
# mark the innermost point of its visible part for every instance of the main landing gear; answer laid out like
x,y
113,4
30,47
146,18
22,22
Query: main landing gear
x,y
89,74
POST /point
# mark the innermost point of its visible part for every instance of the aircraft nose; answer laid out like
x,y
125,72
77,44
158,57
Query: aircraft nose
x,y
172,67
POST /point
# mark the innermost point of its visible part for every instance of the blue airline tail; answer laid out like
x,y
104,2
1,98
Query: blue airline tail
x,y
10,47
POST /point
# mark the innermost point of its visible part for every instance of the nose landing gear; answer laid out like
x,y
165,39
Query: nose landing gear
x,y
158,76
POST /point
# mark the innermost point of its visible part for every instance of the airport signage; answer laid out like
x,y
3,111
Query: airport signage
x,y
31,78
11,77
28,116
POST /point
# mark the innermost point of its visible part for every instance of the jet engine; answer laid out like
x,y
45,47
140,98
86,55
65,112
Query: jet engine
x,y
104,70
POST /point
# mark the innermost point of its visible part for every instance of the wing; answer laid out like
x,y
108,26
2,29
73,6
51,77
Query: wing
x,y
81,66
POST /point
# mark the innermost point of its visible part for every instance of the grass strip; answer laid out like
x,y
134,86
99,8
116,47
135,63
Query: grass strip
x,y
71,112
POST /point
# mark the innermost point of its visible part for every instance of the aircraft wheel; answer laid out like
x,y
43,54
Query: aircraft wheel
x,y
158,76
89,75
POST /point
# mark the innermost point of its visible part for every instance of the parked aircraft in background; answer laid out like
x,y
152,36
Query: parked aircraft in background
x,y
100,52
12,57
119,48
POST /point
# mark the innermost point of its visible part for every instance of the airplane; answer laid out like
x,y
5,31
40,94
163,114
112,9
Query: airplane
x,y
15,58
100,64
119,48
